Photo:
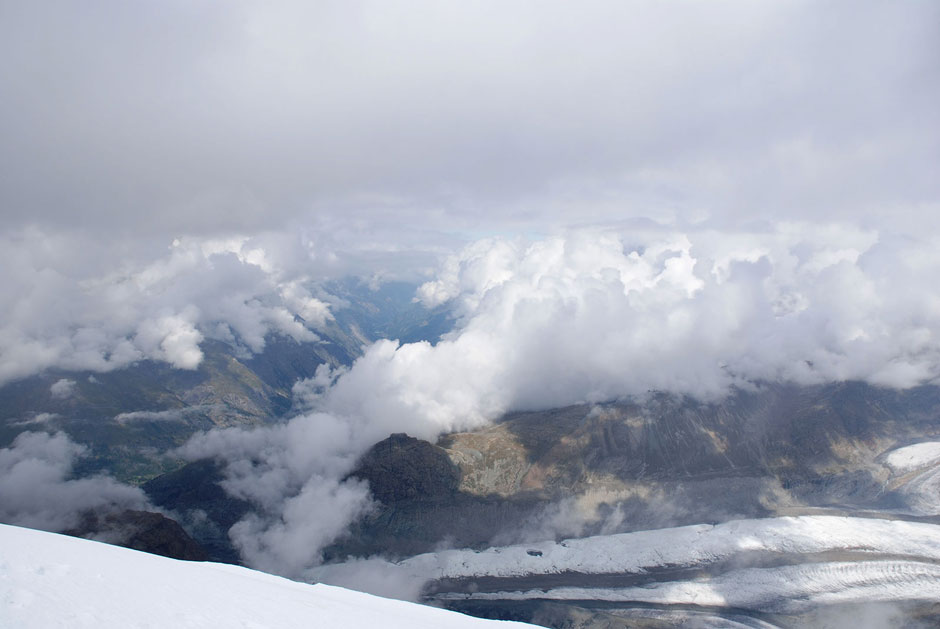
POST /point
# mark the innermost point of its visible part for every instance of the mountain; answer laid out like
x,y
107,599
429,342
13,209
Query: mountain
x,y
765,465
129,417
640,464
140,530
54,580
125,423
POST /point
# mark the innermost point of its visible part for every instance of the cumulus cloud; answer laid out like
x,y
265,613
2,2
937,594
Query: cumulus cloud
x,y
37,491
595,315
62,388
293,475
62,312
307,393
588,316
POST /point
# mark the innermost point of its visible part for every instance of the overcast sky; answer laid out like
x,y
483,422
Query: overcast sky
x,y
180,117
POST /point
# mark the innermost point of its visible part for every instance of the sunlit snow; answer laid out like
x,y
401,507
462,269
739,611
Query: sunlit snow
x,y
49,580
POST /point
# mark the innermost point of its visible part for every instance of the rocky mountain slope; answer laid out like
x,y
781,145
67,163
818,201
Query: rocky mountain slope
x,y
125,423
720,471
664,461
623,466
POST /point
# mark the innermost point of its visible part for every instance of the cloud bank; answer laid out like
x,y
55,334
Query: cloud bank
x,y
238,118
37,491
293,475
61,311
281,142
595,315
589,316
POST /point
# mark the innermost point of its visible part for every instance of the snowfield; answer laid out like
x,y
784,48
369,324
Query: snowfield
x,y
49,580
783,590
786,565
695,545
812,562
919,467
913,457
922,493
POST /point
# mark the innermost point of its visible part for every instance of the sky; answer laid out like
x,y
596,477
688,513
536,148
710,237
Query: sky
x,y
206,118
611,197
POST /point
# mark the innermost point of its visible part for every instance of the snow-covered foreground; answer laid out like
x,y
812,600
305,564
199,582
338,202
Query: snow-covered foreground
x,y
49,580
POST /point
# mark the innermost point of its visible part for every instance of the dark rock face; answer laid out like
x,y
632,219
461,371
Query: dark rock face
x,y
416,486
410,527
194,490
141,530
404,468
420,506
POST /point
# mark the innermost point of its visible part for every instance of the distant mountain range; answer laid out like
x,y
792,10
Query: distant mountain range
x,y
129,417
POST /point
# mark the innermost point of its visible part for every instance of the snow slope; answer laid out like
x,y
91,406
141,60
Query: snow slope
x,y
915,456
785,590
918,467
922,492
694,545
828,560
49,580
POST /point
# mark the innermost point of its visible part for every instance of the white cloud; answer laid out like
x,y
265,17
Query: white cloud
x,y
589,316
171,338
36,489
307,521
36,418
595,315
60,311
172,415
293,475
62,388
